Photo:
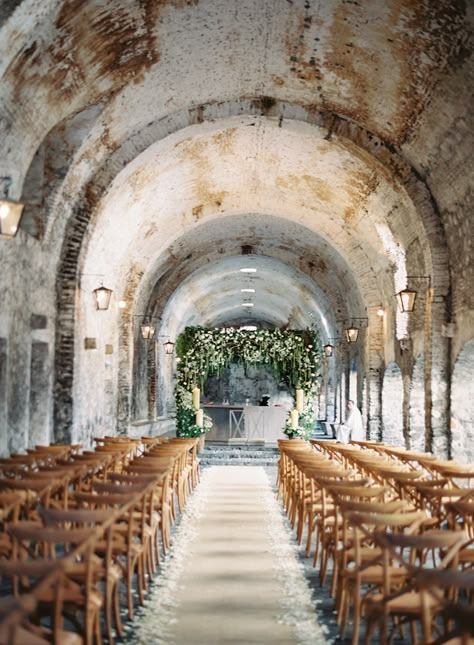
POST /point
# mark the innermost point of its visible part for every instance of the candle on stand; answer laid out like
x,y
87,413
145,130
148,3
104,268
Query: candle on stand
x,y
196,397
299,400
200,418
294,416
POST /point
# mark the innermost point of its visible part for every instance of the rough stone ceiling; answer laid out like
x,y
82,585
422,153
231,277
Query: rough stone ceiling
x,y
183,164
283,296
215,172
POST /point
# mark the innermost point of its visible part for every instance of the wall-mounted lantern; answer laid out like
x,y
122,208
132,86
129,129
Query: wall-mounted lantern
x,y
102,297
407,297
169,347
351,332
10,212
147,329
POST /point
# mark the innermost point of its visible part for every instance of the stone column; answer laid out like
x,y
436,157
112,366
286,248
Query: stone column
x,y
438,379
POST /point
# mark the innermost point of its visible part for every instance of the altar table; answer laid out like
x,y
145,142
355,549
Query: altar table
x,y
233,423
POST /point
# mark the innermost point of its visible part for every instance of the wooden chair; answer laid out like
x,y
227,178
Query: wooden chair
x,y
11,507
153,465
155,505
443,585
20,622
142,515
107,569
367,572
329,520
346,491
78,588
435,499
36,491
193,460
127,552
404,603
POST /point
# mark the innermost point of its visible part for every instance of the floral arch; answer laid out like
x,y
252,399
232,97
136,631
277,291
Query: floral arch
x,y
294,355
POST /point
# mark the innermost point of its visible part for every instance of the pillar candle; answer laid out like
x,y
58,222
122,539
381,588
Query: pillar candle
x,y
200,418
294,419
196,395
299,400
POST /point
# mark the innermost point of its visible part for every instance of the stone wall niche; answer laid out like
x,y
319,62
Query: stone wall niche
x,y
39,408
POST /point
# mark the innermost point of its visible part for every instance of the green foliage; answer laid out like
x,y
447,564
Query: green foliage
x,y
294,355
191,431
184,420
306,423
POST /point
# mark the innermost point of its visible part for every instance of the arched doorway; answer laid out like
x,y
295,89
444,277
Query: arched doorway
x,y
416,413
392,406
462,405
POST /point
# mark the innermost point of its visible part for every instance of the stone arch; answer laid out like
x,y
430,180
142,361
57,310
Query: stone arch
x,y
462,405
416,411
80,213
392,406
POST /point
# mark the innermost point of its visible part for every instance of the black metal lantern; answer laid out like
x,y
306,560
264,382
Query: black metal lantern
x,y
147,329
102,297
352,334
406,300
169,347
328,350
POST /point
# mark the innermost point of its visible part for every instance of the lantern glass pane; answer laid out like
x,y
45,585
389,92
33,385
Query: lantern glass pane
x,y
328,349
406,300
10,216
352,333
169,347
148,331
102,297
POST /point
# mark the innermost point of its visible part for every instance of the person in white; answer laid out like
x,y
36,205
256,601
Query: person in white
x,y
353,428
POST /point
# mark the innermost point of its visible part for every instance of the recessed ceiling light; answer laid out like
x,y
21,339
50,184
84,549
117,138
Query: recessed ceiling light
x,y
248,270
248,290
247,304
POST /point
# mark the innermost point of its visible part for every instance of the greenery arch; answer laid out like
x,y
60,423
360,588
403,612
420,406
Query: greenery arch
x,y
294,355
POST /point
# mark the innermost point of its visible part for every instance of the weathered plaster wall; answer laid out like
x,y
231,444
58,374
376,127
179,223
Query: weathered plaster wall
x,y
146,137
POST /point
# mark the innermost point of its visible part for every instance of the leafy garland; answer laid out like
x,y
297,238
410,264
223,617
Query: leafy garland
x,y
294,355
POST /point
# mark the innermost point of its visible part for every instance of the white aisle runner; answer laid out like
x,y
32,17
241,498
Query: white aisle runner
x,y
232,575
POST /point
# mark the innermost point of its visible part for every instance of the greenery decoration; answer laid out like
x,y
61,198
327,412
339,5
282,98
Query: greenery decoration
x,y
294,355
306,422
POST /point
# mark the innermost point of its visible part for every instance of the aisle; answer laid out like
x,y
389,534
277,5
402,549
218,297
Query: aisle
x,y
233,575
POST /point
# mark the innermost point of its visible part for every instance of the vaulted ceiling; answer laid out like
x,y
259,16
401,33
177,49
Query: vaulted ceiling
x,y
163,144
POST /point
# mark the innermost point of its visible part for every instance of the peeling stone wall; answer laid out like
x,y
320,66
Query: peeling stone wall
x,y
113,122
239,383
40,403
392,406
3,398
462,406
27,316
416,416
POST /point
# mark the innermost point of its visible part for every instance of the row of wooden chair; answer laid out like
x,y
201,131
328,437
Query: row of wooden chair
x,y
381,516
77,526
